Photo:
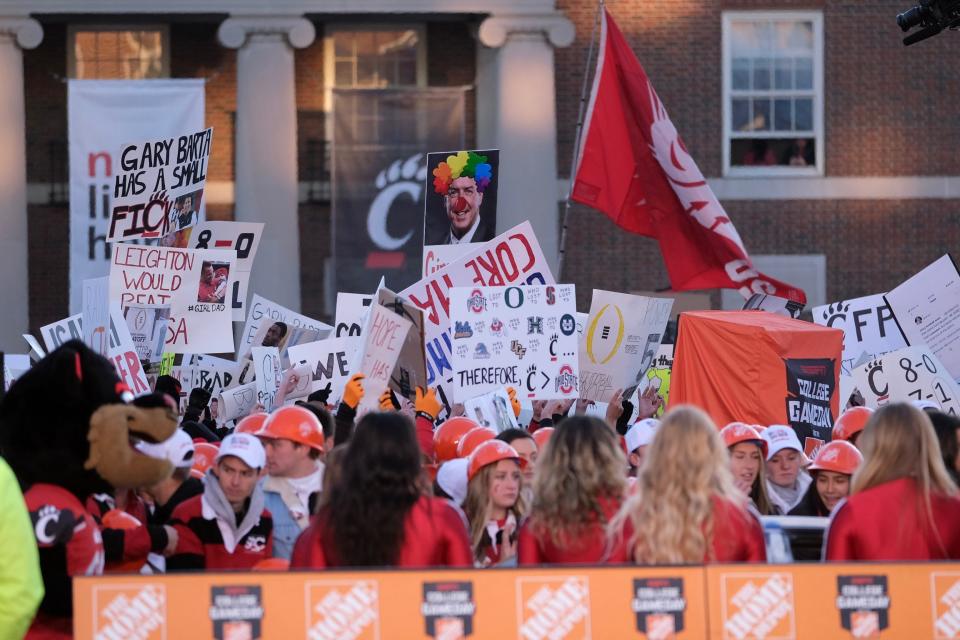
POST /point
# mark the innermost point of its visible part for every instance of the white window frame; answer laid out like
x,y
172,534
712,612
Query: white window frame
x,y
72,30
816,17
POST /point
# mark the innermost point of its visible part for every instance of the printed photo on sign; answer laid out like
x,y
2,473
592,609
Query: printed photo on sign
x,y
118,610
758,605
241,237
869,329
524,337
214,277
270,324
448,609
864,604
905,375
158,186
461,203
148,329
554,608
347,609
492,410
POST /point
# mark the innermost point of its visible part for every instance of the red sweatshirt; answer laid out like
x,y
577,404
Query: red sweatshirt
x,y
433,536
590,548
737,535
201,544
425,436
888,522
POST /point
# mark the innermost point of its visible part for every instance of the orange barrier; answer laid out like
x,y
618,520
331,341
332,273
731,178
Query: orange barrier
x,y
819,601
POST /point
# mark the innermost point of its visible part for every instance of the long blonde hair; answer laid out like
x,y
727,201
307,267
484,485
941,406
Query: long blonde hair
x,y
899,442
758,492
686,466
478,505
581,465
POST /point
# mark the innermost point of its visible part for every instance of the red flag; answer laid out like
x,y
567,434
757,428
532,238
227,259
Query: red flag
x,y
634,167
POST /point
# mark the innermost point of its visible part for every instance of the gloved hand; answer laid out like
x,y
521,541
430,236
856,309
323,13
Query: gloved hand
x,y
427,403
514,401
199,398
353,392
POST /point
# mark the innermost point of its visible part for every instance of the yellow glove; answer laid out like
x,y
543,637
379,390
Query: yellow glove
x,y
427,403
386,401
353,392
514,402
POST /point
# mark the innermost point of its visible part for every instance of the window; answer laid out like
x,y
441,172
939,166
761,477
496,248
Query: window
x,y
118,52
773,93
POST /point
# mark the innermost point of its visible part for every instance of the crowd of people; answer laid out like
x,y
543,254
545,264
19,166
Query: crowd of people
x,y
310,486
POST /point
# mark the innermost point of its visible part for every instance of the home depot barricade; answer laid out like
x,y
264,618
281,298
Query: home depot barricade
x,y
725,601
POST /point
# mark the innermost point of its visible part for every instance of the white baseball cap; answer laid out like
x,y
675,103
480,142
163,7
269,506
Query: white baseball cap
x,y
924,405
452,478
244,446
641,433
177,449
779,437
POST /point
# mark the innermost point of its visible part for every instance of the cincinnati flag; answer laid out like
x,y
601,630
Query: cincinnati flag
x,y
634,167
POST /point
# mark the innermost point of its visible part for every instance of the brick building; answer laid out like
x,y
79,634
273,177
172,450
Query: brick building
x,y
831,145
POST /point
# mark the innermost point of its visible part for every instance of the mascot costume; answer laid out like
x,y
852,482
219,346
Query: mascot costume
x,y
68,429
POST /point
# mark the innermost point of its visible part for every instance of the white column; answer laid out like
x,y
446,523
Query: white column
x,y
516,79
266,145
15,34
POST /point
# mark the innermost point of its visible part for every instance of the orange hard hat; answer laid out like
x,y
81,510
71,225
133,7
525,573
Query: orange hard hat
x,y
541,436
448,436
851,422
272,564
737,432
839,456
474,438
203,456
491,452
295,424
251,423
119,519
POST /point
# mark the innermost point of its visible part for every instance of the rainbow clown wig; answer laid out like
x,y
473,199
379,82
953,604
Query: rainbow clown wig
x,y
466,164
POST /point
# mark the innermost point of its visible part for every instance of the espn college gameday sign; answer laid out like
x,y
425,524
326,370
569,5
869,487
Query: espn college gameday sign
x,y
729,602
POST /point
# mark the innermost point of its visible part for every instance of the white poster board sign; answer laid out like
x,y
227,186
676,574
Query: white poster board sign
x,y
123,354
238,401
267,363
193,283
272,325
242,237
869,329
410,371
620,343
904,375
927,309
329,362
95,314
351,313
56,333
382,340
14,366
214,374
524,337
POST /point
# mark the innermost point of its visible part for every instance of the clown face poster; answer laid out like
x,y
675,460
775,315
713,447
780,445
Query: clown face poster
x,y
461,202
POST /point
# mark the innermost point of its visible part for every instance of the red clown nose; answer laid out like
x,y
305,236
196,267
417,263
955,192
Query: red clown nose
x,y
460,205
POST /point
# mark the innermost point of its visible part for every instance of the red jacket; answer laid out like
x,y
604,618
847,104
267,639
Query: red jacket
x,y
888,522
200,543
737,535
433,536
425,436
589,548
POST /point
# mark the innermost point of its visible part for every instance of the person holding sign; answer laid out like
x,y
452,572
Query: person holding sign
x,y
578,489
903,504
832,467
382,519
686,509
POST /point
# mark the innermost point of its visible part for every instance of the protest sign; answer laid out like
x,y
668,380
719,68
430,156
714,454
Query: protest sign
x,y
329,362
410,370
147,326
266,360
524,337
214,374
272,325
658,376
907,374
492,410
436,257
103,116
927,310
123,354
513,257
95,317
350,313
159,186
869,328
383,339
238,401
14,366
242,237
35,347
620,342
194,283
56,333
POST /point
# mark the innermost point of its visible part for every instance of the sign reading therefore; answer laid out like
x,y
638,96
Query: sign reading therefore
x,y
524,337
194,284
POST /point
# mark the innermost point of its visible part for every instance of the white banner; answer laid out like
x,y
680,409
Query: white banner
x,y
383,338
927,309
524,337
56,333
351,313
266,361
242,237
194,283
329,362
620,342
103,116
904,375
869,329
95,316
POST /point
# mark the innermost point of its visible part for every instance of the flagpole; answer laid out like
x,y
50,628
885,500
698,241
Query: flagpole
x,y
576,142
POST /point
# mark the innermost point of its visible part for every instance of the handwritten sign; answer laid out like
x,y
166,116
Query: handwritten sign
x,y
383,339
